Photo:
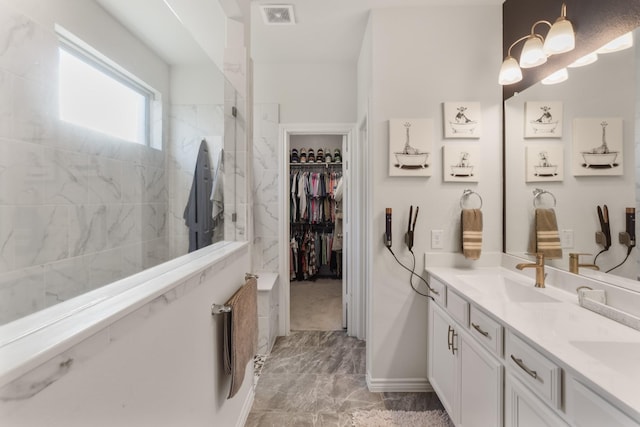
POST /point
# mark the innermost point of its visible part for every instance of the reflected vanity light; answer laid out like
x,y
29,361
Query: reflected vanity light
x,y
536,49
623,42
557,77
585,60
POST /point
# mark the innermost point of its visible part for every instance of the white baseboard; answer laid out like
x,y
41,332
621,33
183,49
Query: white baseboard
x,y
403,385
247,405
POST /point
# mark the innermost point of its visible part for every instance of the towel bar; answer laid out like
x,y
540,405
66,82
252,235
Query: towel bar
x,y
467,193
219,309
538,193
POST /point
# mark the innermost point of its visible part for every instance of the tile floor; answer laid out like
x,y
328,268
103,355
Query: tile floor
x,y
317,378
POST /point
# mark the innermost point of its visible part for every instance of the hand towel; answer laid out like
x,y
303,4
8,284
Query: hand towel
x,y
545,238
241,333
471,223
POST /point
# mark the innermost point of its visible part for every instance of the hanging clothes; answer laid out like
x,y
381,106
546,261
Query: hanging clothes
x,y
197,213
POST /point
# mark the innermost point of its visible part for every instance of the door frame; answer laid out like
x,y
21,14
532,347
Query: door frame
x,y
348,132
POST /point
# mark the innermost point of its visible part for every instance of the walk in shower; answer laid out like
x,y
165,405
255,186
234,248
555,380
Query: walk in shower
x,y
80,209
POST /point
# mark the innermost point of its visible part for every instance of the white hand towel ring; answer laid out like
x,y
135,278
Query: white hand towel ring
x,y
537,195
466,193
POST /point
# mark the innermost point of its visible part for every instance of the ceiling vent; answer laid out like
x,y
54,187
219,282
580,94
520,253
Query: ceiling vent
x,y
277,14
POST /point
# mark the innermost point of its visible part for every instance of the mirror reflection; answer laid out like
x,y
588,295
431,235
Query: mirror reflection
x,y
84,199
575,141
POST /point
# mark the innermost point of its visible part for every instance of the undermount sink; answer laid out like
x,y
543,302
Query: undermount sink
x,y
510,289
611,351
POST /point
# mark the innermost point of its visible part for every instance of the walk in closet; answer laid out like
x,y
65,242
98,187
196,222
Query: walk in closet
x,y
316,194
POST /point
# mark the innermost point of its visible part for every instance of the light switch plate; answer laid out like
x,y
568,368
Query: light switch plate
x,y
436,239
566,239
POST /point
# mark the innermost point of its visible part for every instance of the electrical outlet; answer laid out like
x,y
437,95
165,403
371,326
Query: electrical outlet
x,y
436,239
566,239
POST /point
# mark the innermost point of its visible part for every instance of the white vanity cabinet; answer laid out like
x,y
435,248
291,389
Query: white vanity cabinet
x,y
466,377
524,409
488,370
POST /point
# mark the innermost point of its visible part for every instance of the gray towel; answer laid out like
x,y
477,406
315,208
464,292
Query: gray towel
x,y
241,333
545,238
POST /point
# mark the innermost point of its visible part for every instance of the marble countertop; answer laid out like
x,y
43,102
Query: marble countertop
x,y
601,352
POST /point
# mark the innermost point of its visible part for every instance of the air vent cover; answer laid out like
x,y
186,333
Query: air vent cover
x,y
279,14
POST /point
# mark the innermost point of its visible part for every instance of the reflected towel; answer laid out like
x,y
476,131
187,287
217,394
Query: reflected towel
x,y
471,224
241,333
545,238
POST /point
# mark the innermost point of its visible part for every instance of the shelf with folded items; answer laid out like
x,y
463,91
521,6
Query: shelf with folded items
x,y
319,164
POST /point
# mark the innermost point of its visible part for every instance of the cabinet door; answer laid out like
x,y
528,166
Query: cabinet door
x,y
524,409
481,377
442,360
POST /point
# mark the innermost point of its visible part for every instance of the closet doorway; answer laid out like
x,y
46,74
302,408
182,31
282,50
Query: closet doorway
x,y
315,226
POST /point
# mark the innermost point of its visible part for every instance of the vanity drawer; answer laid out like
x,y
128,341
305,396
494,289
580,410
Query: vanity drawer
x,y
486,330
458,308
534,369
439,292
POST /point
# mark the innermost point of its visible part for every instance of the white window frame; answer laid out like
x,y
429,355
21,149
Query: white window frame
x,y
92,57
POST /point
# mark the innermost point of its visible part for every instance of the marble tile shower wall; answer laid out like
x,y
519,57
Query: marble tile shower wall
x,y
265,187
77,209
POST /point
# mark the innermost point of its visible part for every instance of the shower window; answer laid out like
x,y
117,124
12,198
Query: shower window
x,y
95,95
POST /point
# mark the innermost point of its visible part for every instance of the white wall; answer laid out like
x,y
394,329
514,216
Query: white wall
x,y
308,93
590,92
161,365
422,57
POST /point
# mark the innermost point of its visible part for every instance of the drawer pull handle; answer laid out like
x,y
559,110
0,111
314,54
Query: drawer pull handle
x,y
449,338
477,328
453,346
433,291
524,367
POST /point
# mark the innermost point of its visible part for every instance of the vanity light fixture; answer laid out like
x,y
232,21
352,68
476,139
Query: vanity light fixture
x,y
625,41
557,77
536,49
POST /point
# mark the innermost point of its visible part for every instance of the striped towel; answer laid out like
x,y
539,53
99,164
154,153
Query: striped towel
x,y
471,224
545,238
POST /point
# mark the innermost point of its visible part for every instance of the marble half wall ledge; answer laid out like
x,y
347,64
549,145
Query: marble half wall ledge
x,y
41,348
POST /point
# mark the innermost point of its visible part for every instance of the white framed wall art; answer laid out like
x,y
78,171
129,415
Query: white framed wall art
x,y
597,146
544,162
410,147
543,119
461,162
462,119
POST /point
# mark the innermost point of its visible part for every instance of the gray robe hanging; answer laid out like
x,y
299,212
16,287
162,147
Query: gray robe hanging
x,y
197,213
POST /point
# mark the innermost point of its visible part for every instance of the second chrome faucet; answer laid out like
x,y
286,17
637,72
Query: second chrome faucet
x,y
539,266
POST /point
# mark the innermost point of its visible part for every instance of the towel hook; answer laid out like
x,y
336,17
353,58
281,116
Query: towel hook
x,y
538,193
467,193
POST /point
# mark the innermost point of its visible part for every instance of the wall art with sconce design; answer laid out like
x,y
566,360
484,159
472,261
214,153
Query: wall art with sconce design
x,y
543,119
462,119
597,146
410,147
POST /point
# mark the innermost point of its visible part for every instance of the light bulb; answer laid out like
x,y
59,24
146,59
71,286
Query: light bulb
x,y
532,53
510,72
557,77
623,42
585,60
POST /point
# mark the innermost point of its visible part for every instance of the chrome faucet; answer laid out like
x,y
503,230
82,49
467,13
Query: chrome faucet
x,y
574,263
539,266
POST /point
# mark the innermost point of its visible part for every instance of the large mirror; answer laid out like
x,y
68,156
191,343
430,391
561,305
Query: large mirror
x,y
81,208
554,139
